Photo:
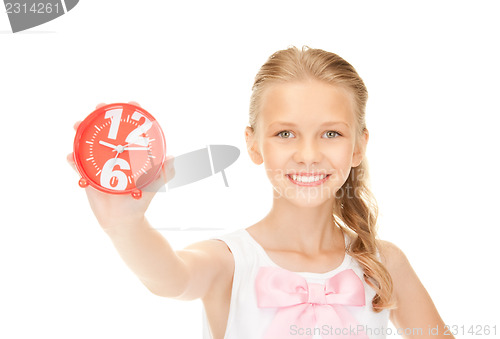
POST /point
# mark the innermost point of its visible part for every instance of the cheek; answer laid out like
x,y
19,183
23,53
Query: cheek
x,y
275,159
340,159
273,155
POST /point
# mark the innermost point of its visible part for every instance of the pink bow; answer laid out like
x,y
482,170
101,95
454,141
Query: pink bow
x,y
303,305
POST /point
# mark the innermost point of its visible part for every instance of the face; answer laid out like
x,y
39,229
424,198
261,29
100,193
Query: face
x,y
305,136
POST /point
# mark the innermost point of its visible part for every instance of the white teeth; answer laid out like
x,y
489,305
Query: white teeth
x,y
300,178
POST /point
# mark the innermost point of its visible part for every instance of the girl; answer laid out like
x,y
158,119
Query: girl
x,y
313,267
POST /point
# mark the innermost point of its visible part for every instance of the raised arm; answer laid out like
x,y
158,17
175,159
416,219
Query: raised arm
x,y
415,309
184,274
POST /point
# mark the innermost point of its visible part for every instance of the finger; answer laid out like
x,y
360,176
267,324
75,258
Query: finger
x,y
75,126
169,160
168,168
71,161
134,103
158,184
167,171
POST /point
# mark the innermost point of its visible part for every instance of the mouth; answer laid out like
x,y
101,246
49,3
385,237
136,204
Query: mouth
x,y
308,180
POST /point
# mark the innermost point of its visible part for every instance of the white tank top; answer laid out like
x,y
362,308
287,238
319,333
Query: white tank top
x,y
247,321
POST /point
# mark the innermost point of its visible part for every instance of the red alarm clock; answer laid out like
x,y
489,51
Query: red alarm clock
x,y
119,149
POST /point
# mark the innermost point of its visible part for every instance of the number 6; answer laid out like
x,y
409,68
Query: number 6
x,y
108,174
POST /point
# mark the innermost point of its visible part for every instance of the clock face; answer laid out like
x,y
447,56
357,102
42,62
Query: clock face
x,y
119,148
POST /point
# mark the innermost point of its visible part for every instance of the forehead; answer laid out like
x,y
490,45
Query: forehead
x,y
306,102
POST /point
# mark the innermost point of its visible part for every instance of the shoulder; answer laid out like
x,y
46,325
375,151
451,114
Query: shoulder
x,y
397,264
405,280
210,265
214,252
392,256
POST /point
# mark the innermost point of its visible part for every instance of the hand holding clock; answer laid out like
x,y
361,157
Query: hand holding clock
x,y
108,172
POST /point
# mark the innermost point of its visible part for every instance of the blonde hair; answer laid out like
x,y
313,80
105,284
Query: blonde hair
x,y
357,212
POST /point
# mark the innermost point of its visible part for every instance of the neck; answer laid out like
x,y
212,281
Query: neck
x,y
309,229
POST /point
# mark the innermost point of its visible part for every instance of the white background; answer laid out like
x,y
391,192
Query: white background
x,y
432,71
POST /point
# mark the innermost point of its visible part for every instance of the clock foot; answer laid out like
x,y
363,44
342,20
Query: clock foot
x,y
137,194
83,183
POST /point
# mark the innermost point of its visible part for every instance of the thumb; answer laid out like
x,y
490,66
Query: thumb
x,y
168,168
167,172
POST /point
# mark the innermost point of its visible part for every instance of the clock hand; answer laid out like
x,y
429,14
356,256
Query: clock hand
x,y
104,143
116,156
136,148
133,142
119,149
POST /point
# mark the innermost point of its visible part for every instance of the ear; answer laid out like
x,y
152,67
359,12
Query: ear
x,y
360,149
252,146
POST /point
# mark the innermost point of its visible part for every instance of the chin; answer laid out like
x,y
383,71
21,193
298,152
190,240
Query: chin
x,y
308,198
300,203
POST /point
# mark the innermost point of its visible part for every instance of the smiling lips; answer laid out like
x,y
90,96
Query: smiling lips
x,y
308,179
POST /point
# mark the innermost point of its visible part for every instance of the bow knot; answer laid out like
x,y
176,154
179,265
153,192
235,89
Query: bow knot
x,y
317,294
304,305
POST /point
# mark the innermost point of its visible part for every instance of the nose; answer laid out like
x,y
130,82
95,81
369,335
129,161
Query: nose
x,y
308,152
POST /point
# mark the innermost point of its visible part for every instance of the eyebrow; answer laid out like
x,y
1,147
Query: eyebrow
x,y
327,123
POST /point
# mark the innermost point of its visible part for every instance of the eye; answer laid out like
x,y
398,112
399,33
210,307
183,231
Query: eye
x,y
331,134
284,134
